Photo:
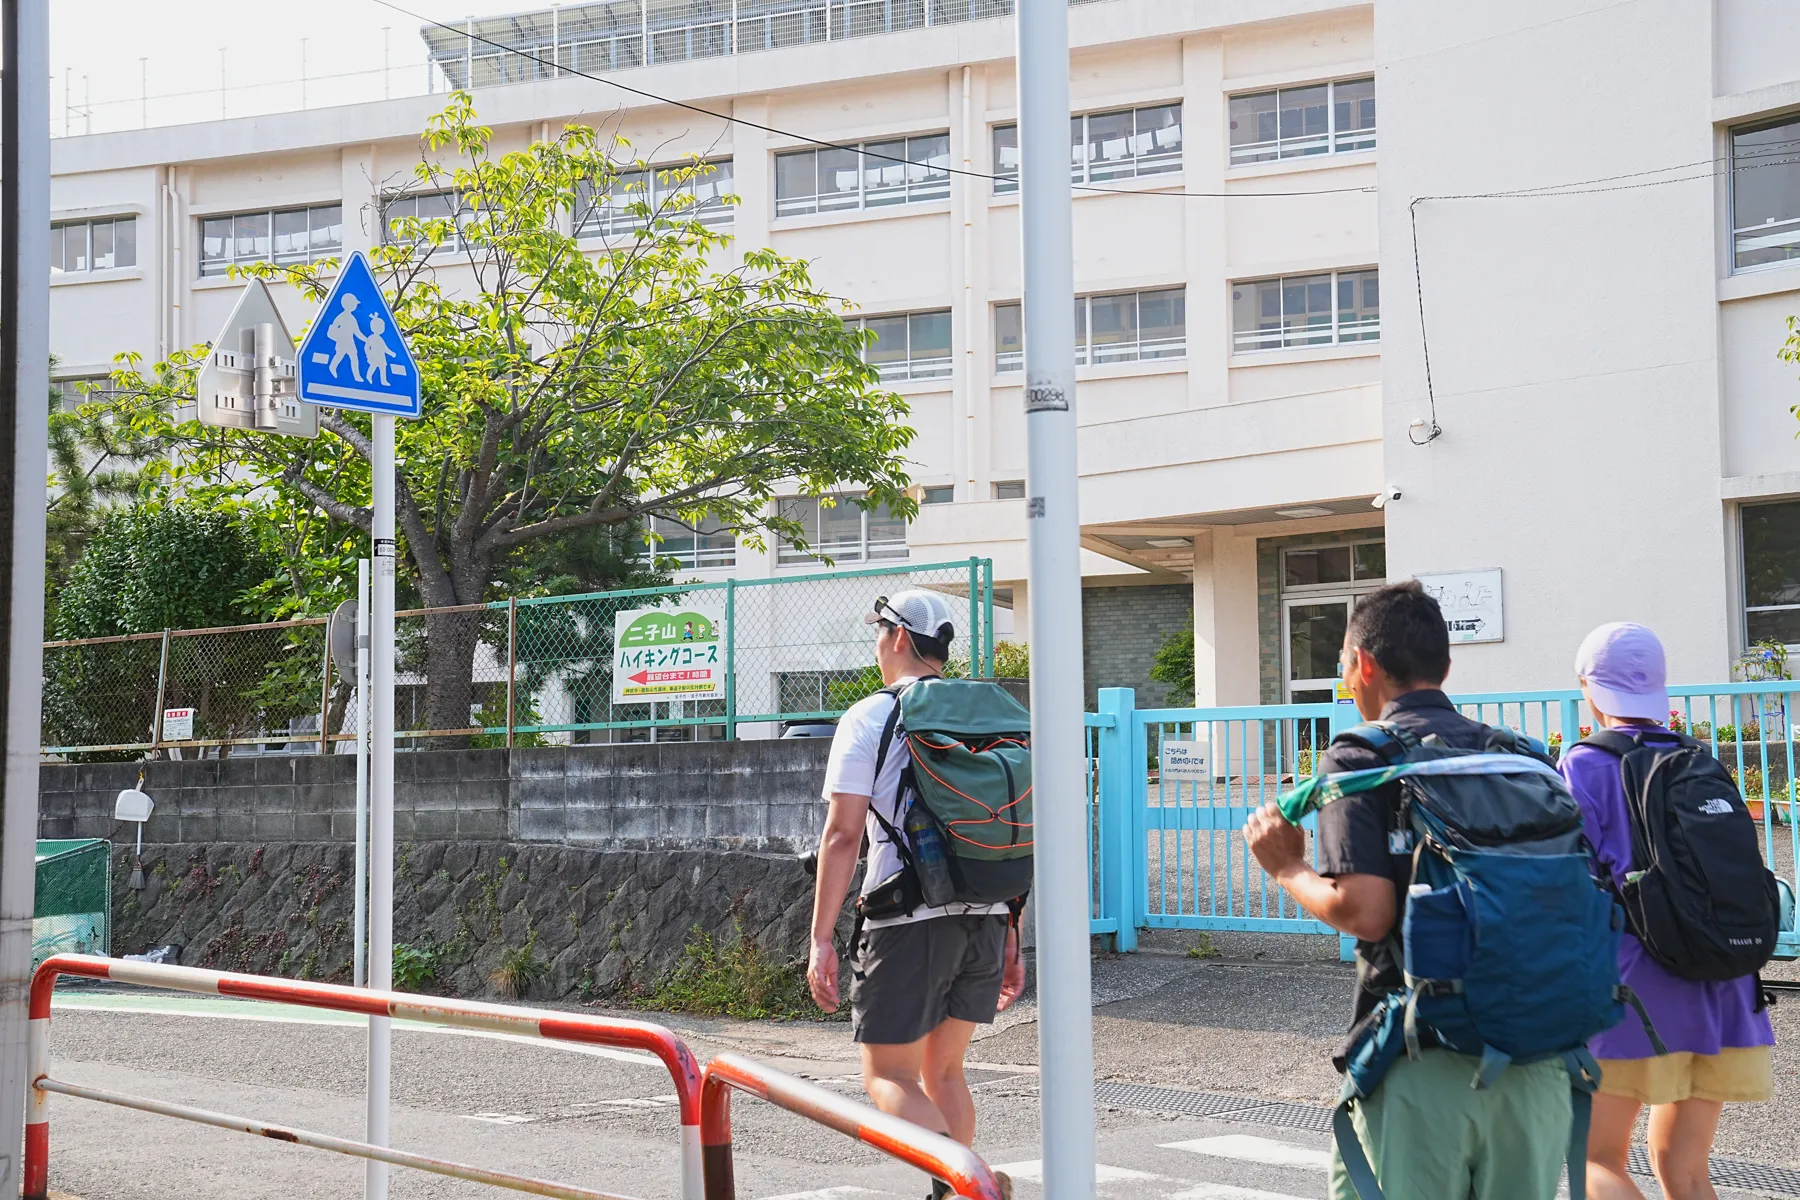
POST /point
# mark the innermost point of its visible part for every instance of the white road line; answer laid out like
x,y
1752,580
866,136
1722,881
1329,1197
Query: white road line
x,y
149,1007
830,1193
1032,1170
500,1118
1245,1148
1224,1191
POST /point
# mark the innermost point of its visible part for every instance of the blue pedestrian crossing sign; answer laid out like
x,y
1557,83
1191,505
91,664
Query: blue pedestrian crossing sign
x,y
354,356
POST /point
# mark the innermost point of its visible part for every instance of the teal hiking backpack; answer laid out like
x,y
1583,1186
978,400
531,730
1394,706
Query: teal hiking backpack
x,y
1511,938
970,777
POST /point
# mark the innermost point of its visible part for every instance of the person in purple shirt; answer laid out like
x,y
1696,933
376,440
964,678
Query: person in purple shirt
x,y
1717,1034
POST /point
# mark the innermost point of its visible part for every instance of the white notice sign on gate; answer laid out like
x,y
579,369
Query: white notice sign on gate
x,y
178,724
1187,760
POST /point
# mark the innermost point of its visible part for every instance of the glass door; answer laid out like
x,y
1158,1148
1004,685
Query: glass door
x,y
1313,631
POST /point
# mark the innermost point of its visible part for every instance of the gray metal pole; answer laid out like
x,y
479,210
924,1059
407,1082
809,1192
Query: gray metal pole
x,y
381,795
24,455
359,945
1065,1014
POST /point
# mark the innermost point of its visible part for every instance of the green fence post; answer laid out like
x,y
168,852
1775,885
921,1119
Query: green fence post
x,y
987,617
974,617
731,660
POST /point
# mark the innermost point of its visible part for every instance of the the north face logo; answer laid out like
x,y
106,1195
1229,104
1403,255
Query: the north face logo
x,y
1718,806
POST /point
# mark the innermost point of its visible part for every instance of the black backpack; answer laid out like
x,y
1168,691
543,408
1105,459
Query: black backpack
x,y
1698,895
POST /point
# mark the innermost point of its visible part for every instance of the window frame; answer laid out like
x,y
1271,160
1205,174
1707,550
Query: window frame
x,y
220,268
58,234
589,221
1734,232
1744,572
1356,583
701,556
1366,331
913,370
1334,143
1089,352
932,185
1081,168
865,551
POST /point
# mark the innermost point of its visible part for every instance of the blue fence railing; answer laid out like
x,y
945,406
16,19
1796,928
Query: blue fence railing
x,y
1169,790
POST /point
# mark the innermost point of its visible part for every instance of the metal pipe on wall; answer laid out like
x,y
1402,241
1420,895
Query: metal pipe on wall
x,y
24,455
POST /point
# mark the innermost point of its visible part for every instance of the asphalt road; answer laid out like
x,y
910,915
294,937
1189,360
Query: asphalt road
x,y
607,1120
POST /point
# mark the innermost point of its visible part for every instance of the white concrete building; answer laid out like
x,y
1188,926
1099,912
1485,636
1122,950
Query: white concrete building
x,y
1616,437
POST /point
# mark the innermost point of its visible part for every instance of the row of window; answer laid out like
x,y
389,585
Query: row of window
x,y
1330,308
282,235
93,245
1765,193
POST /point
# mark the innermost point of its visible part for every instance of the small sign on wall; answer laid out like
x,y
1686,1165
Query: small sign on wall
x,y
178,725
1471,601
1187,760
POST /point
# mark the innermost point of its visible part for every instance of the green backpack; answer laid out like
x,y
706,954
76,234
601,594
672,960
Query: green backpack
x,y
971,771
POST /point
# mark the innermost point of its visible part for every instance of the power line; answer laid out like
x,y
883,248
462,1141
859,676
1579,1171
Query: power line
x,y
820,142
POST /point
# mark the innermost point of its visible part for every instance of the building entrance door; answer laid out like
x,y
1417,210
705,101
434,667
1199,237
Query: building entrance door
x,y
1313,631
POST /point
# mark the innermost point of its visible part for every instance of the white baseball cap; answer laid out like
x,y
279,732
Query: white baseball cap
x,y
915,610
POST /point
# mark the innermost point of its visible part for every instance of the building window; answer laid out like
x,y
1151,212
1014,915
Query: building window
x,y
93,245
1112,328
76,390
841,531
908,345
617,209
424,206
1301,122
1103,146
710,545
1319,566
1009,489
1765,194
289,235
909,170
1306,310
1772,572
945,494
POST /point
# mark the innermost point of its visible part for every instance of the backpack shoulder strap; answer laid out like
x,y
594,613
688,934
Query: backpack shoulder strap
x,y
1612,741
887,730
1383,737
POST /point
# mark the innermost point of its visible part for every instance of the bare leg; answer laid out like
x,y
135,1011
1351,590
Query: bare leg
x,y
1609,1142
891,1077
943,1077
1681,1138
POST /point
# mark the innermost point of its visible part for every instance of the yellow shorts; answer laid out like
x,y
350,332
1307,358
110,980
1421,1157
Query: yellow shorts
x,y
1735,1075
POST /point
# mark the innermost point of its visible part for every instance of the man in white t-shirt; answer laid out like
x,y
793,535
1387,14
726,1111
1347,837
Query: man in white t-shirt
x,y
921,982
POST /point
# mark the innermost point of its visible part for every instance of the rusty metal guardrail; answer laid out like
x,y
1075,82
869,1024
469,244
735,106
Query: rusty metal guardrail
x,y
539,1023
933,1153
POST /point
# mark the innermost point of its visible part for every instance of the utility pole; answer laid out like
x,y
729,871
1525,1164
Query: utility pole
x,y
1053,525
24,420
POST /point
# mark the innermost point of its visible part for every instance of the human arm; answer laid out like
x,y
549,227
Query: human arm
x,y
1361,905
839,844
1012,974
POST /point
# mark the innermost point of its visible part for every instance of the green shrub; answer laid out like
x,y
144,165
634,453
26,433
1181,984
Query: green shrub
x,y
734,978
415,967
520,968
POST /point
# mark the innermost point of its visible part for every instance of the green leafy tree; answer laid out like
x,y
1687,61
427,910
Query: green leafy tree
x,y
155,566
1790,352
571,384
95,462
1174,664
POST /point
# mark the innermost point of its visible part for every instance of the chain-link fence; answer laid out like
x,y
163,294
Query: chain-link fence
x,y
513,672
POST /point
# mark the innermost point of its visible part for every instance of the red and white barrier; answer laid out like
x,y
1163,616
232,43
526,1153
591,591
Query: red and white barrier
x,y
462,1014
933,1153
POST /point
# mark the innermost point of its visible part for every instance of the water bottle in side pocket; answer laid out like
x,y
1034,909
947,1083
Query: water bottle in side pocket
x,y
929,856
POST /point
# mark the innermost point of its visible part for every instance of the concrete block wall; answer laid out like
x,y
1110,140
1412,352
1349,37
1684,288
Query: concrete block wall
x,y
1122,629
761,796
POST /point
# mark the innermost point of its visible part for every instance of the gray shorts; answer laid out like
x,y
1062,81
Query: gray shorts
x,y
908,978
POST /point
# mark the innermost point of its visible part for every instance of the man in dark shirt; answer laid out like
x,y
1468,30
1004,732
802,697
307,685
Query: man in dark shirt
x,y
1427,1133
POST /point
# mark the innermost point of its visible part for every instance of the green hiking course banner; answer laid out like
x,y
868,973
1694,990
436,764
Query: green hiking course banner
x,y
674,653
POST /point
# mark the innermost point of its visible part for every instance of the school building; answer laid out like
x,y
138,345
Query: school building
x,y
1606,206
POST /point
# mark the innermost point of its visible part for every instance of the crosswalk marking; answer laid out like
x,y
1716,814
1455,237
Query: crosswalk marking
x,y
830,1193
1225,1191
1263,1150
1032,1170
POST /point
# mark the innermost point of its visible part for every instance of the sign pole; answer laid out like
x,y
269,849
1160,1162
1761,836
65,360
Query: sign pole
x,y
1065,1013
360,942
381,795
24,397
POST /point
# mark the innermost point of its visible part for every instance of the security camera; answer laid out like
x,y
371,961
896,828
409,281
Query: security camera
x,y
1385,496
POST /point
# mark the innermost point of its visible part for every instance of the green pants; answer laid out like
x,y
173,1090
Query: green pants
x,y
1430,1136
